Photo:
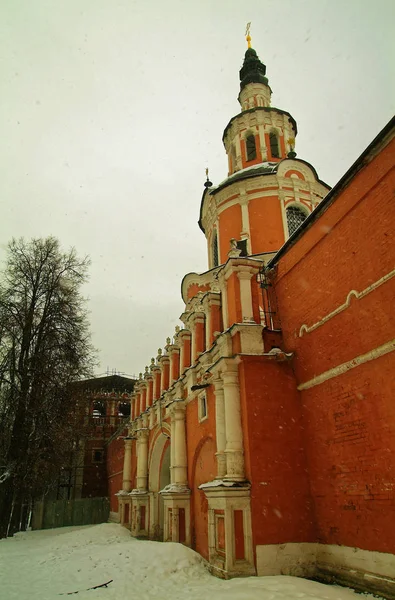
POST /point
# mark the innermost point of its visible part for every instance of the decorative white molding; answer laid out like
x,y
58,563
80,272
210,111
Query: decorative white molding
x,y
347,366
353,293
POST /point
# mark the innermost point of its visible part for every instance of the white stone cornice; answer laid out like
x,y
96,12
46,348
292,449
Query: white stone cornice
x,y
233,265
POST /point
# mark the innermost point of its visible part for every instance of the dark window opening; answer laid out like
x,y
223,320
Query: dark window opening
x,y
242,245
274,148
295,217
97,456
124,409
203,407
251,147
99,408
215,250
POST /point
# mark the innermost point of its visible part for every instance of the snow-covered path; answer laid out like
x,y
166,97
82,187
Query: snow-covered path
x,y
41,565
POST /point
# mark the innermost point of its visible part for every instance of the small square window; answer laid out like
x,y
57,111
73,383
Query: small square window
x,y
97,456
202,407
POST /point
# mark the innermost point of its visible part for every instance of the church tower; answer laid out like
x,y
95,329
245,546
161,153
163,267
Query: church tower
x,y
268,192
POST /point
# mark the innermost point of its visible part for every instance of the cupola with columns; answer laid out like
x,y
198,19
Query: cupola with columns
x,y
268,192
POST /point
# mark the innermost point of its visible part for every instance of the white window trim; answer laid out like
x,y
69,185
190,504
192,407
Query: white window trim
x,y
201,397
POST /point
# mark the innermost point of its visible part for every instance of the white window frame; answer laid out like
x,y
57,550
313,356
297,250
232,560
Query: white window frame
x,y
202,401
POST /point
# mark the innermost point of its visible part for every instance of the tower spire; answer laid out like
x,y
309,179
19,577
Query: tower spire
x,y
247,34
253,70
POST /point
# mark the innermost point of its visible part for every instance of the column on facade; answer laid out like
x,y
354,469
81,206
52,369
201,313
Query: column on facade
x,y
179,453
262,142
127,466
174,354
238,152
197,321
224,299
185,349
212,309
172,445
234,433
142,459
150,385
207,316
143,397
220,430
155,370
138,403
247,313
165,371
245,222
132,406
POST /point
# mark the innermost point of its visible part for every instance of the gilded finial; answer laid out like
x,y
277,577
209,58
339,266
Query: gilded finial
x,y
291,153
248,37
207,183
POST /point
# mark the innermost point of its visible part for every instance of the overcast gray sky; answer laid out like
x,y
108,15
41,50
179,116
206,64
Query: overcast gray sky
x,y
112,109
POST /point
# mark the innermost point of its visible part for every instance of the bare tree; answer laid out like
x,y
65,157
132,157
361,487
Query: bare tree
x,y
44,346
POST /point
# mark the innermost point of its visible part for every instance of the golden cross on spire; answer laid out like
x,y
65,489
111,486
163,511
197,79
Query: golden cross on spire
x,y
207,173
247,34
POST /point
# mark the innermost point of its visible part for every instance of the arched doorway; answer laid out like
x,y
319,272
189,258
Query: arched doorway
x,y
164,480
204,470
159,477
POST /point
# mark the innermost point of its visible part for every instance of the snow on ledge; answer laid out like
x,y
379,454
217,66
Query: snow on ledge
x,y
221,483
175,489
137,492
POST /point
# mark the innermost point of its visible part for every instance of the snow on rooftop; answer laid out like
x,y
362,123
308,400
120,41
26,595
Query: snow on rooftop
x,y
270,166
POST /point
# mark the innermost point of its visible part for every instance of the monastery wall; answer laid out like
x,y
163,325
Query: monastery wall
x,y
115,455
340,324
275,458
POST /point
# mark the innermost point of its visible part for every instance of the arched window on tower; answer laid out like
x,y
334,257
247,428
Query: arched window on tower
x,y
215,249
274,147
251,147
295,217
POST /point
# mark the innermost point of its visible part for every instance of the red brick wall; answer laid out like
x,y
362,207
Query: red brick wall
x,y
282,509
349,420
266,224
95,473
115,454
229,227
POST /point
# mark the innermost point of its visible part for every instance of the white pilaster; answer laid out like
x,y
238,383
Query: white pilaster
x,y
220,428
234,432
246,296
180,445
142,460
127,466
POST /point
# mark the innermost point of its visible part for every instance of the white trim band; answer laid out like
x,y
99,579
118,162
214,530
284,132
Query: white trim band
x,y
353,293
347,366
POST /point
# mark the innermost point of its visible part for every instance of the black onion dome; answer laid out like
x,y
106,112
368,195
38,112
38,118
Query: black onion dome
x,y
253,70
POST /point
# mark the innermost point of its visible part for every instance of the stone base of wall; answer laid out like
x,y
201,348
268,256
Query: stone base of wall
x,y
114,517
361,569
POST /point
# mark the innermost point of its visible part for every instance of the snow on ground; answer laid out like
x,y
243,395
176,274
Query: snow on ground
x,y
42,565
